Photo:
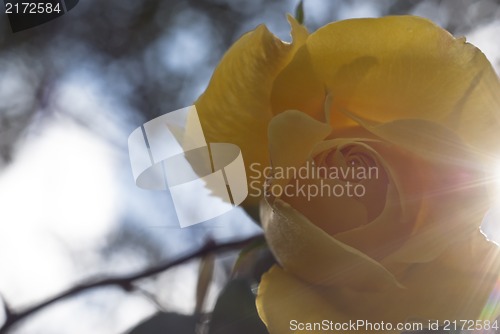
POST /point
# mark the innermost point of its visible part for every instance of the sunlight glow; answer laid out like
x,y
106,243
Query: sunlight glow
x,y
57,195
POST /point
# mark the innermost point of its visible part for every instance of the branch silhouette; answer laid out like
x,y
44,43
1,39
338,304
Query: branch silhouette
x,y
125,282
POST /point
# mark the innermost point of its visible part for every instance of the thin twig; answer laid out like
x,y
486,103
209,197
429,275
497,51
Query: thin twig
x,y
124,281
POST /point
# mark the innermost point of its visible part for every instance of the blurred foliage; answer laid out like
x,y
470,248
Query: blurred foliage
x,y
253,261
235,311
299,12
163,323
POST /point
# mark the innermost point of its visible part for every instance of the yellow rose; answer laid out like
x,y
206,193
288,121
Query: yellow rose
x,y
398,95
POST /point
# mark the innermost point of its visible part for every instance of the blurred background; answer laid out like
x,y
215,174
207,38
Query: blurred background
x,y
73,89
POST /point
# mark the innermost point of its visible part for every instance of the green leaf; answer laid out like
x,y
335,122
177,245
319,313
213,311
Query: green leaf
x,y
249,250
253,212
162,323
253,261
299,12
235,311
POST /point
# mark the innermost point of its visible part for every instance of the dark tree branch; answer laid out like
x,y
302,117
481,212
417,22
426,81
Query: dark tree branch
x,y
125,282
151,298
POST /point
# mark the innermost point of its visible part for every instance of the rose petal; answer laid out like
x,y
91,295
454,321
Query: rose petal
x,y
395,223
319,204
434,291
298,87
445,194
235,107
430,193
442,225
282,298
383,235
292,136
312,255
376,187
427,139
399,67
439,289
